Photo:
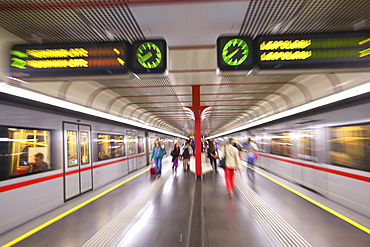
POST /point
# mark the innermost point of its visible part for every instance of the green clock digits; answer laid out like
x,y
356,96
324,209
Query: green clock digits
x,y
149,55
235,52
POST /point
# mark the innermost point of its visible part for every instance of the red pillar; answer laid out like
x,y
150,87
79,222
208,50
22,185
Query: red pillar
x,y
198,130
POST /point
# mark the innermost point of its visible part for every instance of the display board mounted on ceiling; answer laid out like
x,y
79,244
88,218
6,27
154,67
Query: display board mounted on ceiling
x,y
149,56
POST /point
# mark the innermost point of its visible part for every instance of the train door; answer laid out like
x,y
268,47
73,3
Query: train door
x,y
132,162
298,152
308,144
77,159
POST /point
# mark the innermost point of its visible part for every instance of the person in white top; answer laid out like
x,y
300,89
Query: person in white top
x,y
251,154
232,163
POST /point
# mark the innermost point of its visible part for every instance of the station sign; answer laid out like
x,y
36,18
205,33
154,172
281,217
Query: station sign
x,y
83,59
313,51
149,56
235,53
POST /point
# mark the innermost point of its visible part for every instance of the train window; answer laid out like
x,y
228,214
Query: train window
x,y
131,145
104,146
151,142
281,144
262,142
308,144
72,148
84,144
28,151
140,144
111,146
118,146
349,146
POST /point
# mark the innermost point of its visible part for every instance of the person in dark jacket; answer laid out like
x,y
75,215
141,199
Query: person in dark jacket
x,y
39,166
175,157
186,153
212,154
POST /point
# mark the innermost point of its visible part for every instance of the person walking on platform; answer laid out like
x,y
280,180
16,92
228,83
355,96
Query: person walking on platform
x,y
175,157
230,153
186,155
239,147
251,149
212,154
157,154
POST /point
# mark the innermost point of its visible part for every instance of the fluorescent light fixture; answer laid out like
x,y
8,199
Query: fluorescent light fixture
x,y
17,140
364,88
23,93
189,113
16,79
136,76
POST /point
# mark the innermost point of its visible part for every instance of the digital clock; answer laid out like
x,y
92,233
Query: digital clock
x,y
234,53
149,56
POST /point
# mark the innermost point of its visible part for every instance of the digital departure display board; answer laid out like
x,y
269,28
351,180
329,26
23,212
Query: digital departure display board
x,y
234,53
313,51
149,56
84,59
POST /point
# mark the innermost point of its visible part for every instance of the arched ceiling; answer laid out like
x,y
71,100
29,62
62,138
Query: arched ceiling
x,y
190,29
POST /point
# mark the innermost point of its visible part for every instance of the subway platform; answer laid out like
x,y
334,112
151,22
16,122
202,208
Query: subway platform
x,y
184,210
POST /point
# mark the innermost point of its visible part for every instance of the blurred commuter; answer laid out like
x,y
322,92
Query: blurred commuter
x,y
39,166
204,146
186,153
157,155
239,147
212,154
251,148
230,153
175,157
161,143
192,144
103,155
163,147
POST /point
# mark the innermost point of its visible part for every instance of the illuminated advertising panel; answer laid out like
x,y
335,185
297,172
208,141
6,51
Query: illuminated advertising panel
x,y
313,51
52,60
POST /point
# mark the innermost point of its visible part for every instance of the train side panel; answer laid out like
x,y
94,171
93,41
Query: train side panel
x,y
24,203
349,192
24,197
325,151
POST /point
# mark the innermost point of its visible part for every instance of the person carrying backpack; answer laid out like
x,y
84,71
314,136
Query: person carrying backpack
x,y
186,155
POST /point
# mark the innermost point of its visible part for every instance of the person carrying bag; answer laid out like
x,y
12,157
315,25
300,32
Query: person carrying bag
x,y
222,162
232,162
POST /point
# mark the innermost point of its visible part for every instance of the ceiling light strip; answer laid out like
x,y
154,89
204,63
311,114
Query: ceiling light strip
x,y
34,96
356,91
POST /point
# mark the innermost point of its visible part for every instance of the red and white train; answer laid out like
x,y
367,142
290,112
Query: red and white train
x,y
81,152
326,150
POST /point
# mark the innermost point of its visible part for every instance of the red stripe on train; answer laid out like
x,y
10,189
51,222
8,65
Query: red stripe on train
x,y
344,174
29,182
43,179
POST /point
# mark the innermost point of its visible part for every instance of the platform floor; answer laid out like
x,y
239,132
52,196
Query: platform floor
x,y
183,210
